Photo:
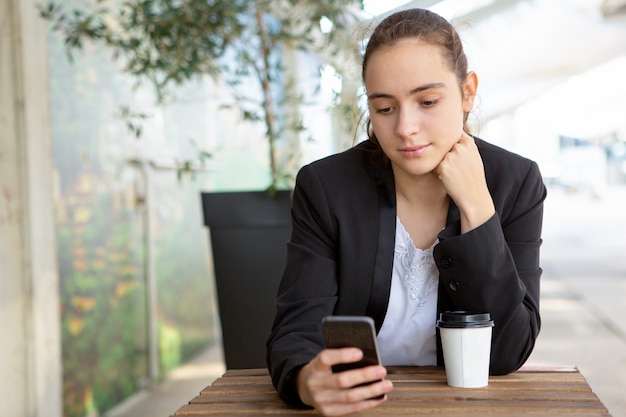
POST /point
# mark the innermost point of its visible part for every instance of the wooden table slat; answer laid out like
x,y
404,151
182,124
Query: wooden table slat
x,y
417,397
404,407
204,412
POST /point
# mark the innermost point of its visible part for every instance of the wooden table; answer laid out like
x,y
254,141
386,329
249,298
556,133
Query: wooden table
x,y
534,391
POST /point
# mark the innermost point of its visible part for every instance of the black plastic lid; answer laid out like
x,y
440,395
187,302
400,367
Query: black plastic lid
x,y
464,319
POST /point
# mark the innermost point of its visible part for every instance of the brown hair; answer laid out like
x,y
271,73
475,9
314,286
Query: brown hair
x,y
425,26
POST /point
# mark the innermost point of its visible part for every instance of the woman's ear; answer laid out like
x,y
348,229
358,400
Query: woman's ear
x,y
470,86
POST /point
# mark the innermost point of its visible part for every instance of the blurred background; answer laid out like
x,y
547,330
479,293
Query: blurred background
x,y
106,276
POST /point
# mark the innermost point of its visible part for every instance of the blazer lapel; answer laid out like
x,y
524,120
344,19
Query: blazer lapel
x,y
383,264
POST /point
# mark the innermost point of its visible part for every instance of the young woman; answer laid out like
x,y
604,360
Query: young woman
x,y
419,219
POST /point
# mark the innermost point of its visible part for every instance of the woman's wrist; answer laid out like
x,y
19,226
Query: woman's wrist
x,y
300,382
476,214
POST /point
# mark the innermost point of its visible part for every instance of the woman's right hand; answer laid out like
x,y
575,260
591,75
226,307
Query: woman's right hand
x,y
336,394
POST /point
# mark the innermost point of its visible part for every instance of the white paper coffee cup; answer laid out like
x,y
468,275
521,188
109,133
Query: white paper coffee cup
x,y
466,344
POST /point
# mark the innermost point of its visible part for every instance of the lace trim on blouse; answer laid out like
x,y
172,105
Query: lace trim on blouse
x,y
408,334
416,267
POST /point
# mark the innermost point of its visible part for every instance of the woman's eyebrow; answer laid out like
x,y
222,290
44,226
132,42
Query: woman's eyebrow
x,y
416,90
428,86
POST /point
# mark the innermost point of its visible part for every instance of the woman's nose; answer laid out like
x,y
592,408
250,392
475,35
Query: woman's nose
x,y
408,123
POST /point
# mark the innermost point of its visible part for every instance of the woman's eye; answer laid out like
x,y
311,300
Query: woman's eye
x,y
429,103
384,110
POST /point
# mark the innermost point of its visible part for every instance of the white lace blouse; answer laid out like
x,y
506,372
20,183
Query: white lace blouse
x,y
407,336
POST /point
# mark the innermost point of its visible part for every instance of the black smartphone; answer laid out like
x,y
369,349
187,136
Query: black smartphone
x,y
352,331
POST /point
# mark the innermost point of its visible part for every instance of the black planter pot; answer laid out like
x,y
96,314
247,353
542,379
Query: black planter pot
x,y
248,234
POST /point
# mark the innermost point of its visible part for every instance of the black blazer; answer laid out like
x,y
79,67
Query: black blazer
x,y
340,257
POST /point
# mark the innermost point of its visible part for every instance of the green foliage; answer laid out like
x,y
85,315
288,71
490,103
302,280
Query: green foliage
x,y
103,319
238,42
100,249
163,41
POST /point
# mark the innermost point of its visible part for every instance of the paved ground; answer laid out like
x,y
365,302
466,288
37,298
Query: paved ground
x,y
583,306
584,290
181,385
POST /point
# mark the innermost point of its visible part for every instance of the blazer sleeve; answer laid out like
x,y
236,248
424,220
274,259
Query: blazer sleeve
x,y
495,267
308,289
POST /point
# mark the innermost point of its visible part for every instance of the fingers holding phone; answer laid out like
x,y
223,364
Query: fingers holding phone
x,y
350,368
347,376
340,393
355,331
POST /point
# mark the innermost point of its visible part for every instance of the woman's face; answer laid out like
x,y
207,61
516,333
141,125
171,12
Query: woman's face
x,y
415,104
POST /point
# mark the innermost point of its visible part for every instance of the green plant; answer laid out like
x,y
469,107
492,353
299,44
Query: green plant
x,y
238,42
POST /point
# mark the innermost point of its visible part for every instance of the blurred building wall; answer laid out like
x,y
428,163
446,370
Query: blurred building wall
x,y
30,366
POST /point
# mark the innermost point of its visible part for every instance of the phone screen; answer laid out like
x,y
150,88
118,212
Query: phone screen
x,y
352,331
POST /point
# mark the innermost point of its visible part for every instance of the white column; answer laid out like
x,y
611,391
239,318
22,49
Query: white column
x,y
30,353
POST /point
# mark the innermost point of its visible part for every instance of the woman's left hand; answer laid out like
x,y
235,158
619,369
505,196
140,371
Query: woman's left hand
x,y
463,175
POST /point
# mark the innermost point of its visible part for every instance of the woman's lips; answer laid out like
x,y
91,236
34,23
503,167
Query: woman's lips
x,y
414,151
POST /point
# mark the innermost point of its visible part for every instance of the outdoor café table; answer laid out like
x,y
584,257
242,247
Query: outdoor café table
x,y
534,391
